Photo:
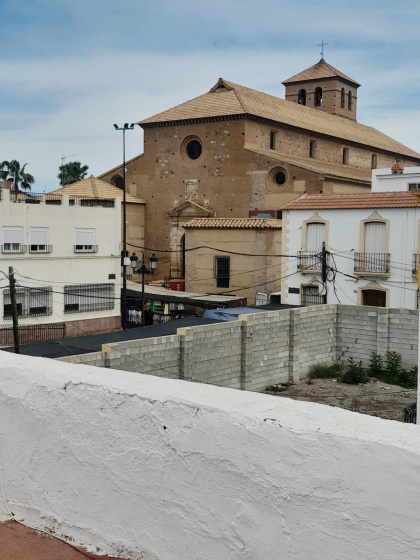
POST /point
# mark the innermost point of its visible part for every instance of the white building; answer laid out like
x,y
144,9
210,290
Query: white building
x,y
396,179
372,248
65,254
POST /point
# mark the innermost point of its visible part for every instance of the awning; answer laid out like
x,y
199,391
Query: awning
x,y
190,298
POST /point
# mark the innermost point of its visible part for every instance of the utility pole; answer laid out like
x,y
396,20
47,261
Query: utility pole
x,y
324,270
14,309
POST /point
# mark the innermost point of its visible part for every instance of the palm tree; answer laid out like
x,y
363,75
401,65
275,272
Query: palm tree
x,y
13,171
72,172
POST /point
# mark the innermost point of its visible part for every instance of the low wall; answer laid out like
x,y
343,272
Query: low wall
x,y
264,349
144,467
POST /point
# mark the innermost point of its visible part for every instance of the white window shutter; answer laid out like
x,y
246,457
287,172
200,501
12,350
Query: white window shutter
x,y
85,237
13,235
315,236
374,237
39,236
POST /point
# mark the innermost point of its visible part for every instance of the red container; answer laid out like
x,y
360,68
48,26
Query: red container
x,y
177,285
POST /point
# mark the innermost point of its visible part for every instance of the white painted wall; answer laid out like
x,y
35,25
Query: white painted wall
x,y
383,180
344,240
62,266
170,470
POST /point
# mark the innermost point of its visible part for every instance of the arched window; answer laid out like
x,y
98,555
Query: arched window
x,y
318,97
343,101
118,182
350,101
302,97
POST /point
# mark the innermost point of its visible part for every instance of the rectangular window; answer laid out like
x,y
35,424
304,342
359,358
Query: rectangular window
x,y
30,302
374,162
12,237
312,148
311,258
345,156
311,296
39,241
222,271
413,186
85,241
273,140
88,297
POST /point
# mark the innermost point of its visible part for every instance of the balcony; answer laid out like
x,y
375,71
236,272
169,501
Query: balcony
x,y
309,261
40,248
371,264
16,248
85,248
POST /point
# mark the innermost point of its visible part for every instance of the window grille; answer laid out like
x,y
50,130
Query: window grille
x,y
88,297
222,271
85,241
30,302
311,296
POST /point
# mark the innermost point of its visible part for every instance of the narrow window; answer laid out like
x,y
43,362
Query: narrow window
x,y
374,259
374,161
318,97
315,237
345,156
272,140
312,148
222,271
343,100
350,100
302,97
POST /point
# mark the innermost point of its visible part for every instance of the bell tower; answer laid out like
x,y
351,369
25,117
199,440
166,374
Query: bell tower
x,y
324,88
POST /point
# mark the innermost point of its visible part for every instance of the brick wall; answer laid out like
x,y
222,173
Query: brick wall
x,y
264,349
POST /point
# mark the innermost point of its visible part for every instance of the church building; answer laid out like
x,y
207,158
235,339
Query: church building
x,y
234,152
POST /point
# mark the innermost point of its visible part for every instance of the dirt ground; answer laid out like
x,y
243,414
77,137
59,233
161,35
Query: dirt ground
x,y
374,398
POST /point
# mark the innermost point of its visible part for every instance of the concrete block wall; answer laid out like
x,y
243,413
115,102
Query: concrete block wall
x,y
314,338
266,349
363,330
155,356
212,354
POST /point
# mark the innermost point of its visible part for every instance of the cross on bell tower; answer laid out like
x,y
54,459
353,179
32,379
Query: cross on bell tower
x,y
322,45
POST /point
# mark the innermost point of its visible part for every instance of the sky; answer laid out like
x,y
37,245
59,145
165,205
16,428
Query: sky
x,y
72,68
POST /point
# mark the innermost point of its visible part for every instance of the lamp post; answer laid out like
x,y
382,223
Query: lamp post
x,y
125,259
144,271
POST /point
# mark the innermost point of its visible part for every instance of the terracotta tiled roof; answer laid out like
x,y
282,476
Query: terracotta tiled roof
x,y
370,200
318,71
332,170
96,189
239,100
234,223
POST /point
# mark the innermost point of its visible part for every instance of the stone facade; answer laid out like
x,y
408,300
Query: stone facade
x,y
255,152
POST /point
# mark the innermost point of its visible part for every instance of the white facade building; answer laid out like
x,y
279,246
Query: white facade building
x,y
397,179
371,243
65,254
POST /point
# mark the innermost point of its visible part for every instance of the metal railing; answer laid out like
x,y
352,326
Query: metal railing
x,y
85,248
16,248
309,260
32,333
40,248
92,202
371,263
415,264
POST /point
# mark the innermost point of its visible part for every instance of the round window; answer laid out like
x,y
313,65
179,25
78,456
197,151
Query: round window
x,y
279,178
193,149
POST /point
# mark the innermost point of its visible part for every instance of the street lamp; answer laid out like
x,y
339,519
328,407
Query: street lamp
x,y
125,259
144,271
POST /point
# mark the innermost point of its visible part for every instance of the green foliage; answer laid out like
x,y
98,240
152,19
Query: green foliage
x,y
13,171
376,365
72,172
355,373
324,371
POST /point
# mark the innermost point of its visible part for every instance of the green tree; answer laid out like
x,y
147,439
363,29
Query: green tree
x,y
72,172
13,171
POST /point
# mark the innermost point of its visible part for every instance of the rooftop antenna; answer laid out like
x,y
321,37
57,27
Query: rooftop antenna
x,y
63,161
322,45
